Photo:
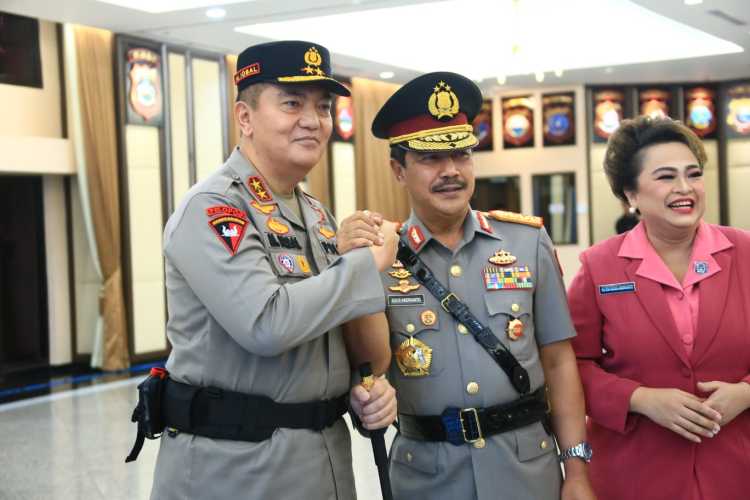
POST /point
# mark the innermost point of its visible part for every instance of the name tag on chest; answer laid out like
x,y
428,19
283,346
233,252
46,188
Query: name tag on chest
x,y
626,287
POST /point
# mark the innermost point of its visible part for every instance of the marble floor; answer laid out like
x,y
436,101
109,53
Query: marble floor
x,y
72,445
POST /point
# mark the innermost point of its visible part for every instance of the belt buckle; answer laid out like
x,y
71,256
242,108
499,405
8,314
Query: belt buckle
x,y
471,411
446,299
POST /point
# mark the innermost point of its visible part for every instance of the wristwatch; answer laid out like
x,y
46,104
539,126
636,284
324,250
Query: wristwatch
x,y
582,450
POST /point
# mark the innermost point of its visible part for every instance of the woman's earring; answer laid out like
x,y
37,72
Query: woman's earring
x,y
632,210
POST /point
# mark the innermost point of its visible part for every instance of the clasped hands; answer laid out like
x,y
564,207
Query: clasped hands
x,y
369,229
691,416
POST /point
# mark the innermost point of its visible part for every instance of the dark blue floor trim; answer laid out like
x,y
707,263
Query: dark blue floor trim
x,y
77,380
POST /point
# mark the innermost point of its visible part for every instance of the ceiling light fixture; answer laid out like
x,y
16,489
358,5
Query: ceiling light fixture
x,y
216,13
501,80
535,40
387,75
559,73
539,76
693,2
161,6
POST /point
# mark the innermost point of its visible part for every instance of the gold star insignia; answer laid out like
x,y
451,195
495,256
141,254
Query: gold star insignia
x,y
309,70
256,184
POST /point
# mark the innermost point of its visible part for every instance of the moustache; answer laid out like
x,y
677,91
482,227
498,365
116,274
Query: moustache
x,y
444,186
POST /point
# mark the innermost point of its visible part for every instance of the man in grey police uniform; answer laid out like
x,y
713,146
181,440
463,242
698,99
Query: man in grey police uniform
x,y
503,267
256,292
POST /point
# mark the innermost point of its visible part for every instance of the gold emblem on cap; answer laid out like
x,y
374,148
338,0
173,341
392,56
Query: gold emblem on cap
x,y
404,287
313,59
515,329
428,317
443,103
502,258
400,274
414,358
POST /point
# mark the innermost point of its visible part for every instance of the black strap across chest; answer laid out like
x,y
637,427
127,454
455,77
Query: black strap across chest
x,y
517,374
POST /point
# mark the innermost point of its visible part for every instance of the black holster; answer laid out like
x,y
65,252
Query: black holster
x,y
148,412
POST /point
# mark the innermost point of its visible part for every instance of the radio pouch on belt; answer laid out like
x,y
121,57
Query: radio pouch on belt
x,y
148,414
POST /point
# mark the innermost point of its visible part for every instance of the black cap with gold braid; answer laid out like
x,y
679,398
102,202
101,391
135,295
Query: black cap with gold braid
x,y
431,113
287,62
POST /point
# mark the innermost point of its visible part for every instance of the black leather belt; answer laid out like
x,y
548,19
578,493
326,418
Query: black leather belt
x,y
220,414
468,425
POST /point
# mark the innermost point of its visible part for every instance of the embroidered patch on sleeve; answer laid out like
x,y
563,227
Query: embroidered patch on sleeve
x,y
229,224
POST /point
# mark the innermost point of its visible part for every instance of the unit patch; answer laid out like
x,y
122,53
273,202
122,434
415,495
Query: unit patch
x,y
230,230
408,300
507,278
286,262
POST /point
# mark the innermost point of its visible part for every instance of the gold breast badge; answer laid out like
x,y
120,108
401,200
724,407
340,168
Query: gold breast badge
x,y
400,274
414,358
404,286
502,258
443,103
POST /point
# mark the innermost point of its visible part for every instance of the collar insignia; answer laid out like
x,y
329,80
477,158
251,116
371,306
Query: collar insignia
x,y
259,190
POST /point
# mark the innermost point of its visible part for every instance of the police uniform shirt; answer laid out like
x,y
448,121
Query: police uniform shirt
x,y
249,312
519,464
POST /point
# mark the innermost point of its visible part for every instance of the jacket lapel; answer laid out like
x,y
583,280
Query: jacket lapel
x,y
654,302
713,296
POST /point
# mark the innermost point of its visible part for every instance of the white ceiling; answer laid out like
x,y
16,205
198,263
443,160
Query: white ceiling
x,y
193,29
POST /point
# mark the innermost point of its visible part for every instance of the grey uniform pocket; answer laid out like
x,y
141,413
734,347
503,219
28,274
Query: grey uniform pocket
x,y
533,441
420,456
504,307
422,324
290,264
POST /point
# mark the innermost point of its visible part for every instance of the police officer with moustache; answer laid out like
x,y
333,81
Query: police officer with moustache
x,y
476,323
258,373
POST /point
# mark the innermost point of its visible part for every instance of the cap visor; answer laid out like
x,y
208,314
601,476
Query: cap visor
x,y
333,86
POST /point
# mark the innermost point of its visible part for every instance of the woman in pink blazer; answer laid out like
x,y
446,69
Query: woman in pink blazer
x,y
663,320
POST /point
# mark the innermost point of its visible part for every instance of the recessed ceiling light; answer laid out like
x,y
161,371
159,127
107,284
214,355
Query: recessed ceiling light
x,y
387,75
544,49
693,2
559,73
539,76
216,13
159,6
501,80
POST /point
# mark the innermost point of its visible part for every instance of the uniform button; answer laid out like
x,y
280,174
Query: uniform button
x,y
480,443
686,372
472,387
410,327
455,271
515,308
543,445
409,456
462,329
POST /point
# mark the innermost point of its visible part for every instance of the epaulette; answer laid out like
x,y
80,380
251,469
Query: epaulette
x,y
503,216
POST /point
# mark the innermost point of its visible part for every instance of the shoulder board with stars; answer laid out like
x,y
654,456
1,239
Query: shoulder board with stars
x,y
503,216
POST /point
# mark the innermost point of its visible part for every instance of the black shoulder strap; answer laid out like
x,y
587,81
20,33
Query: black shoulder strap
x,y
517,374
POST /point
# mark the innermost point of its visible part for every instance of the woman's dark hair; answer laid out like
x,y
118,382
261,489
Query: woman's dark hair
x,y
622,161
